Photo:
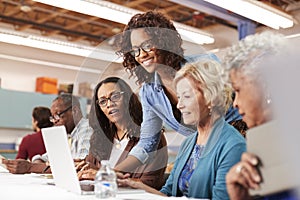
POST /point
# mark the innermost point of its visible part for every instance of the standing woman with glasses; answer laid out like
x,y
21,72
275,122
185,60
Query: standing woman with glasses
x,y
116,116
152,52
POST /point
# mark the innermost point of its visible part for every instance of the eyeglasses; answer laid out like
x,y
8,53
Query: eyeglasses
x,y
115,96
146,46
57,116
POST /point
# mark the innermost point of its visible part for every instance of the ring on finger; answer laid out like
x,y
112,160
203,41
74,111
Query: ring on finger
x,y
239,169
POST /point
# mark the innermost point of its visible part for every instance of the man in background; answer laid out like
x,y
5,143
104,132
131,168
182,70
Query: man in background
x,y
65,110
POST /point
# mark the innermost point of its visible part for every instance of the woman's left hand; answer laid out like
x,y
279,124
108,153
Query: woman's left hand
x,y
88,174
130,182
80,164
242,177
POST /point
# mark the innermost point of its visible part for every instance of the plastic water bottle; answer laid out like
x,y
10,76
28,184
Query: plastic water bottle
x,y
105,181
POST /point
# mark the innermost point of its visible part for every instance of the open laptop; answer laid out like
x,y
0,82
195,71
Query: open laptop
x,y
62,165
61,161
264,141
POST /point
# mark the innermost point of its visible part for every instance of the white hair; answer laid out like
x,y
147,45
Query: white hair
x,y
248,53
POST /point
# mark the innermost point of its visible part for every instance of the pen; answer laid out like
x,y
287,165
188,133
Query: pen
x,y
46,168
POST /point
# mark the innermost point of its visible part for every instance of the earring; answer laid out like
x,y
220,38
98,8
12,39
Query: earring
x,y
268,99
209,108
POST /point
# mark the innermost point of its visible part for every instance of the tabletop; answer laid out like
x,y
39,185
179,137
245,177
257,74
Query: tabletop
x,y
36,186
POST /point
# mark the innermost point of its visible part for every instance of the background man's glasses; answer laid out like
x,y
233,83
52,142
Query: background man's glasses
x,y
146,46
115,96
57,116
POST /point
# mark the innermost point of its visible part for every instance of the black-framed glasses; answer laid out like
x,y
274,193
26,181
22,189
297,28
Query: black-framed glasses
x,y
115,96
146,46
57,116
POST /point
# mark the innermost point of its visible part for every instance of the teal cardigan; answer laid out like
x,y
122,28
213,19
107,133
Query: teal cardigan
x,y
223,149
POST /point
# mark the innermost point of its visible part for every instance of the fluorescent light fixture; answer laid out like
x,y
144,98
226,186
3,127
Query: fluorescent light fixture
x,y
257,11
101,9
191,34
293,35
214,50
122,14
49,64
25,39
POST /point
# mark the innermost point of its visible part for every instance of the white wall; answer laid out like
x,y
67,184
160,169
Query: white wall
x,y
20,66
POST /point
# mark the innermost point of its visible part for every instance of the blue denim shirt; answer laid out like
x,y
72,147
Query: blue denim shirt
x,y
156,110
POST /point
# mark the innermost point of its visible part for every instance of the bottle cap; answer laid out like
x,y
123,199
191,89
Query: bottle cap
x,y
104,162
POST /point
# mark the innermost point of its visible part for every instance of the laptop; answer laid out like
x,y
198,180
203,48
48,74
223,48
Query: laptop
x,y
62,165
265,142
61,161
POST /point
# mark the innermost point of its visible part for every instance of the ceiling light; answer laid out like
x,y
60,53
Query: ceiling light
x,y
47,63
293,35
25,39
26,8
191,34
257,11
121,14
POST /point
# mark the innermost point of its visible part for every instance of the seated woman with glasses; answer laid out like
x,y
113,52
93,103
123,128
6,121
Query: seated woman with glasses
x,y
116,116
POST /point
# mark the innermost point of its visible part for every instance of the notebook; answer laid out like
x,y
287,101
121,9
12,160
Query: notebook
x,y
2,166
61,161
264,141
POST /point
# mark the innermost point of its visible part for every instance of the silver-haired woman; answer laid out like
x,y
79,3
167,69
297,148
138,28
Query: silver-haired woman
x,y
245,62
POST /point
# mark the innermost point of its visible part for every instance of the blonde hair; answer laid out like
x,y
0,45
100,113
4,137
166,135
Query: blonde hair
x,y
207,77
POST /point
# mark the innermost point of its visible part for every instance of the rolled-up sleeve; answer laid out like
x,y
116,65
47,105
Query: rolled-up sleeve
x,y
150,129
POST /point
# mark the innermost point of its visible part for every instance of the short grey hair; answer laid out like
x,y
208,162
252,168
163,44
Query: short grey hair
x,y
247,54
68,100
207,76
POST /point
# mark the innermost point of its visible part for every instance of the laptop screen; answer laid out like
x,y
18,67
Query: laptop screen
x,y
60,158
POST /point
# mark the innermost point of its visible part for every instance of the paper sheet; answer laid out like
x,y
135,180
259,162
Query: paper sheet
x,y
2,166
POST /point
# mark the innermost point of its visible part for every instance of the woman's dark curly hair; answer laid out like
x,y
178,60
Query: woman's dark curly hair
x,y
104,130
164,36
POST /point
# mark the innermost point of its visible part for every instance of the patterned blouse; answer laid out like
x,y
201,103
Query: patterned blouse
x,y
189,168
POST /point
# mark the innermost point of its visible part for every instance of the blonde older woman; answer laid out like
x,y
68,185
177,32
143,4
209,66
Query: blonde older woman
x,y
206,156
245,62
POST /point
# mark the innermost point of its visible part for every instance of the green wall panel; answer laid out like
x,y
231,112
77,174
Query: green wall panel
x,y
16,107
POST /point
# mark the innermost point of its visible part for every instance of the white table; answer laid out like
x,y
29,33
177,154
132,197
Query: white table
x,y
30,186
34,186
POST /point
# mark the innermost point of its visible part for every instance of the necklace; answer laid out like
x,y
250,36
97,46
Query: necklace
x,y
118,144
